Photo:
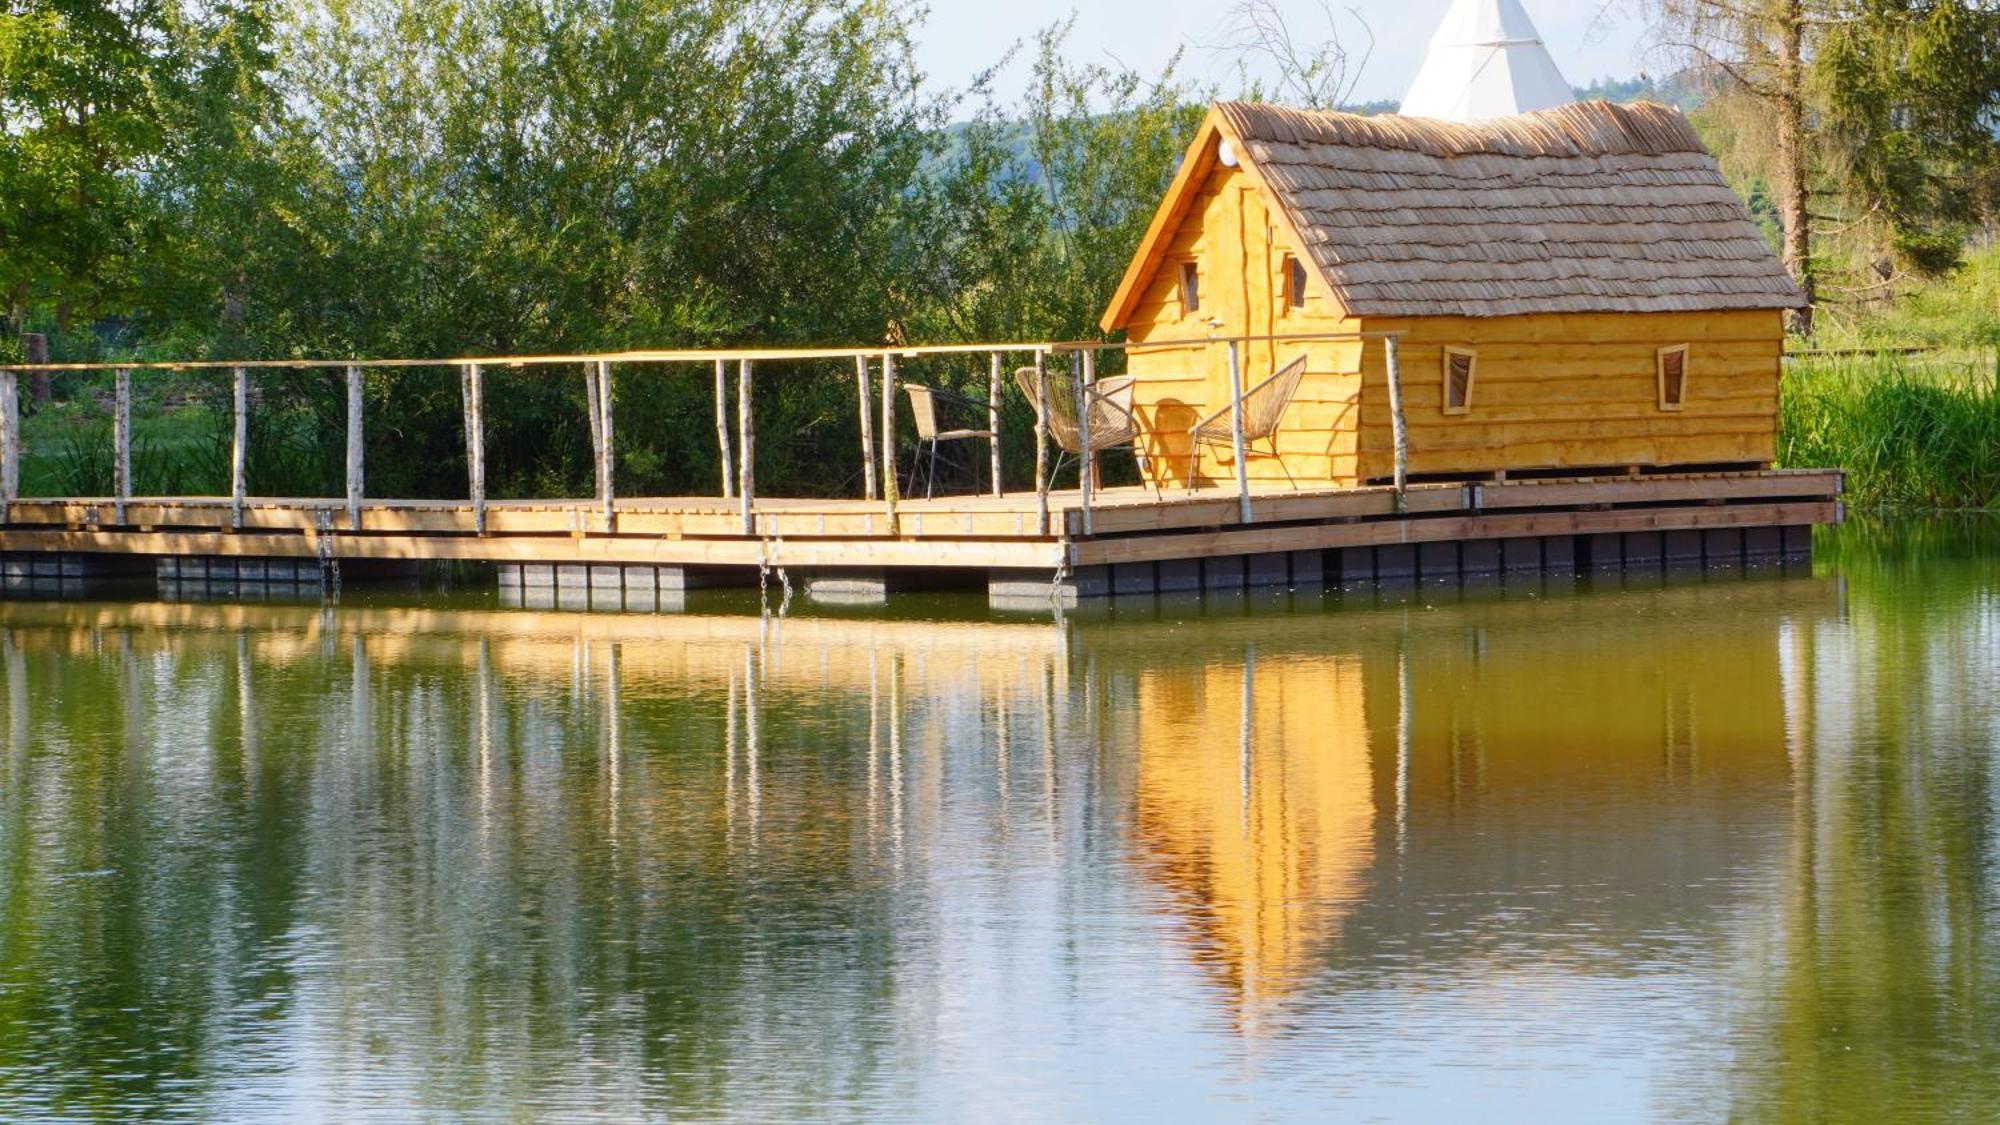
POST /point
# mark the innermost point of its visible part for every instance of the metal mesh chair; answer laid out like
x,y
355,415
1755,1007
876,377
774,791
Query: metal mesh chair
x,y
924,407
1264,407
1112,423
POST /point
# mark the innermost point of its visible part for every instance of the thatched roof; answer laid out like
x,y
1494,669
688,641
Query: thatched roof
x,y
1589,207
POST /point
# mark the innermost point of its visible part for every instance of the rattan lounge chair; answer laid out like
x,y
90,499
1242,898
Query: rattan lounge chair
x,y
1264,407
1112,423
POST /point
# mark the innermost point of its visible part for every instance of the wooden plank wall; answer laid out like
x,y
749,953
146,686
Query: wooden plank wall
x,y
1578,390
1240,254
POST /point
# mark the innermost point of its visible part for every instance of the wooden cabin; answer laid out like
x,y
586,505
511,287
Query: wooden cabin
x,y
1577,288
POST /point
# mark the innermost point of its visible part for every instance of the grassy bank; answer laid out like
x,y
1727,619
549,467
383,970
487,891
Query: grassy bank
x,y
1918,430
1911,431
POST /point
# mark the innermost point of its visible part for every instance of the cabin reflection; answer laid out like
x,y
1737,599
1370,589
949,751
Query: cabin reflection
x,y
1254,807
1314,793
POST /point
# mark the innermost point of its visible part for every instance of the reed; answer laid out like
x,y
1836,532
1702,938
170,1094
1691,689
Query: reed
x,y
1911,432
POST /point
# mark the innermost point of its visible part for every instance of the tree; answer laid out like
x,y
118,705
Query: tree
x,y
1859,112
1023,225
1908,95
79,122
1312,72
1754,53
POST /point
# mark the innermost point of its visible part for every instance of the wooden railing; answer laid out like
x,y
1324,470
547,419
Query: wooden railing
x,y
878,460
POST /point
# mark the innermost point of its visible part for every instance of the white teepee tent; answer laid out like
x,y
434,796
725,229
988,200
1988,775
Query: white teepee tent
x,y
1486,60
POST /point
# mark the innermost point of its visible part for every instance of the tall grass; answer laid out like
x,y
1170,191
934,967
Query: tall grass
x,y
1909,435
69,451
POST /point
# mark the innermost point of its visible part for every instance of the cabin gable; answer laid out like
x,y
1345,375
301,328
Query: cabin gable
x,y
1225,231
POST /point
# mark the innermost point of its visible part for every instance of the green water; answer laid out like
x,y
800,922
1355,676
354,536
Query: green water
x,y
1681,848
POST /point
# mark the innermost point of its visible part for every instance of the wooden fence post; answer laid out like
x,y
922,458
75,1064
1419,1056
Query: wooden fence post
x,y
746,442
722,428
1042,438
121,441
596,413
1236,432
889,438
993,419
356,483
1402,431
1086,467
472,385
607,454
10,443
867,429
239,436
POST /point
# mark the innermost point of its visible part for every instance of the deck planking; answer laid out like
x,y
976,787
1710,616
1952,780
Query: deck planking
x,y
1129,524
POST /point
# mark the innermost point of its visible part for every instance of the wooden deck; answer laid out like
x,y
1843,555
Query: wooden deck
x,y
1128,525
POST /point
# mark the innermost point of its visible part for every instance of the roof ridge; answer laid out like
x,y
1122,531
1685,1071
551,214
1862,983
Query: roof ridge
x,y
1593,128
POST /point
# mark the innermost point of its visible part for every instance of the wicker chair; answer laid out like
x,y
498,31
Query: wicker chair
x,y
925,403
1112,423
1264,407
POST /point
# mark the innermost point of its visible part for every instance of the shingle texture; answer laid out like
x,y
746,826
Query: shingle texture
x,y
1590,207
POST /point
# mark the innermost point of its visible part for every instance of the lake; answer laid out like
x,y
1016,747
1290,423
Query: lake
x,y
1662,846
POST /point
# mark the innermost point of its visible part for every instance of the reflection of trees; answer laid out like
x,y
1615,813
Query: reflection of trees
x,y
1870,992
464,869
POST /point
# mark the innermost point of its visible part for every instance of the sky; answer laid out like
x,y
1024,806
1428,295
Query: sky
x,y
1589,38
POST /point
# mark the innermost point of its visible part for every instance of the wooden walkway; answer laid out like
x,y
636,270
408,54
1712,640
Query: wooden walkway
x,y
982,533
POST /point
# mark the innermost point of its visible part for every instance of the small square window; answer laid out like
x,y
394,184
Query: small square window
x,y
1673,376
1295,283
1460,366
1190,288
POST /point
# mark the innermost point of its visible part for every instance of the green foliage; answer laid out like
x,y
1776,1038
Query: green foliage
x,y
1908,437
1906,93
1959,311
79,114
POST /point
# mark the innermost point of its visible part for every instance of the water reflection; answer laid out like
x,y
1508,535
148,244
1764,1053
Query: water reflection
x,y
1574,854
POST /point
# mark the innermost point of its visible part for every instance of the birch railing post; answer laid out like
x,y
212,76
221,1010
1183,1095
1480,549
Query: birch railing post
x,y
239,437
1086,467
867,429
889,438
356,483
10,443
595,410
1042,439
746,448
1236,432
722,428
607,453
993,419
121,440
473,385
1396,421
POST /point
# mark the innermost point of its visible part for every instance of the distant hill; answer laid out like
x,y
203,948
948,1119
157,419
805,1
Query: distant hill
x,y
1679,90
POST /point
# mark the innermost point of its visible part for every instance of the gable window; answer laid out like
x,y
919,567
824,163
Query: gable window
x,y
1459,370
1295,282
1190,288
1673,376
